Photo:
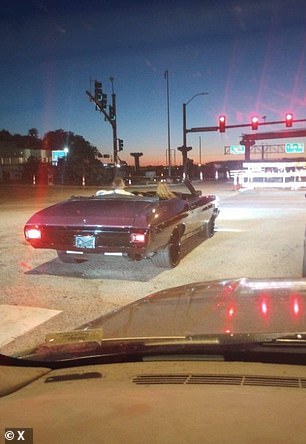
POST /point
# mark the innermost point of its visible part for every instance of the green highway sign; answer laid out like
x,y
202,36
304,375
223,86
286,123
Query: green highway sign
x,y
58,154
294,148
237,149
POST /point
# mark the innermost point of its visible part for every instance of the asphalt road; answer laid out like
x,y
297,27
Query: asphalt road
x,y
259,234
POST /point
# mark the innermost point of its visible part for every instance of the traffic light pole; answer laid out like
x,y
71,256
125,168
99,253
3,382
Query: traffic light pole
x,y
243,125
184,149
113,123
100,101
249,140
184,126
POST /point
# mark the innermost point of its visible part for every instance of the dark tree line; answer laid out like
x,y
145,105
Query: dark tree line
x,y
81,160
79,148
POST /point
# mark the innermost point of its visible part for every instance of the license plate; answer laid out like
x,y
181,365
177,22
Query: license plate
x,y
85,242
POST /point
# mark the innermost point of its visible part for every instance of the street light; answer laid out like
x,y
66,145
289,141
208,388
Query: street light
x,y
184,116
166,76
64,164
172,157
184,149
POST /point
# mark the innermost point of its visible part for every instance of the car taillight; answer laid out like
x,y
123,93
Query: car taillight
x,y
296,305
138,238
265,306
32,233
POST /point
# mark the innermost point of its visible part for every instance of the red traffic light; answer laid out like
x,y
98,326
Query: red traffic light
x,y
222,124
289,119
254,123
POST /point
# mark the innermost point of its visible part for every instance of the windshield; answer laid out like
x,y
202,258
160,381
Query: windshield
x,y
152,172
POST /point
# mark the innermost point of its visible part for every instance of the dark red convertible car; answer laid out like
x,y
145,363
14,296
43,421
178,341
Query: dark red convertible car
x,y
142,222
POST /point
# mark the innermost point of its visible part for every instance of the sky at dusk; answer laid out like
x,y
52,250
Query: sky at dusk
x,y
248,56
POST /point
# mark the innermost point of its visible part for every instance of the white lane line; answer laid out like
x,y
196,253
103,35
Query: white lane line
x,y
17,320
232,230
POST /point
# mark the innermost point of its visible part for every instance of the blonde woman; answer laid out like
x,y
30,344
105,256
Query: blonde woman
x,y
163,191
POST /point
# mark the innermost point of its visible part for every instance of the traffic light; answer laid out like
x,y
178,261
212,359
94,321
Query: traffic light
x,y
112,113
288,120
254,123
222,124
98,91
103,101
120,145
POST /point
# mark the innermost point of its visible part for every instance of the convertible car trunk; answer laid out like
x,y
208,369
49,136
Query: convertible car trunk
x,y
93,225
120,212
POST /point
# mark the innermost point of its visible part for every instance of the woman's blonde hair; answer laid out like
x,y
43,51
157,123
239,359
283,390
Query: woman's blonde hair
x,y
163,191
118,183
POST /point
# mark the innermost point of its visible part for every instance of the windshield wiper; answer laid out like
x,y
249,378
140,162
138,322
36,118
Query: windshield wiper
x,y
82,347
87,341
288,339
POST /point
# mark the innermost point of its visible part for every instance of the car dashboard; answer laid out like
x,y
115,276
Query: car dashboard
x,y
157,401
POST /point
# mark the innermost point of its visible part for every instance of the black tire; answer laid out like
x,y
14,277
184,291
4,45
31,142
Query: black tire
x,y
68,258
170,256
209,228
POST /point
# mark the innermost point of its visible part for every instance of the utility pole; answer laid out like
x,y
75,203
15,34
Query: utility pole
x,y
110,115
184,149
166,76
200,150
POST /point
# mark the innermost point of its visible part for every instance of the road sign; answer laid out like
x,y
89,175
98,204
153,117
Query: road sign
x,y
58,154
294,148
237,149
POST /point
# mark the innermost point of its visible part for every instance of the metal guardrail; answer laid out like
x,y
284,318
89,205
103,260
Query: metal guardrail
x,y
260,179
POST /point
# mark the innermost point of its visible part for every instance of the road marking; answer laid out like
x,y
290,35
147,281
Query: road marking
x,y
232,230
17,320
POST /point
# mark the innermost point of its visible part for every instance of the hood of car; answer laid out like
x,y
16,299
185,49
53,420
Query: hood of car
x,y
215,307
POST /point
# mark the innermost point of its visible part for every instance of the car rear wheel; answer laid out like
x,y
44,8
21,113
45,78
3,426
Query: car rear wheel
x,y
170,256
209,228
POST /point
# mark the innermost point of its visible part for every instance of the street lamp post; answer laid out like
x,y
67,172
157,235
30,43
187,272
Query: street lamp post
x,y
200,150
64,164
184,116
172,157
166,76
184,149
